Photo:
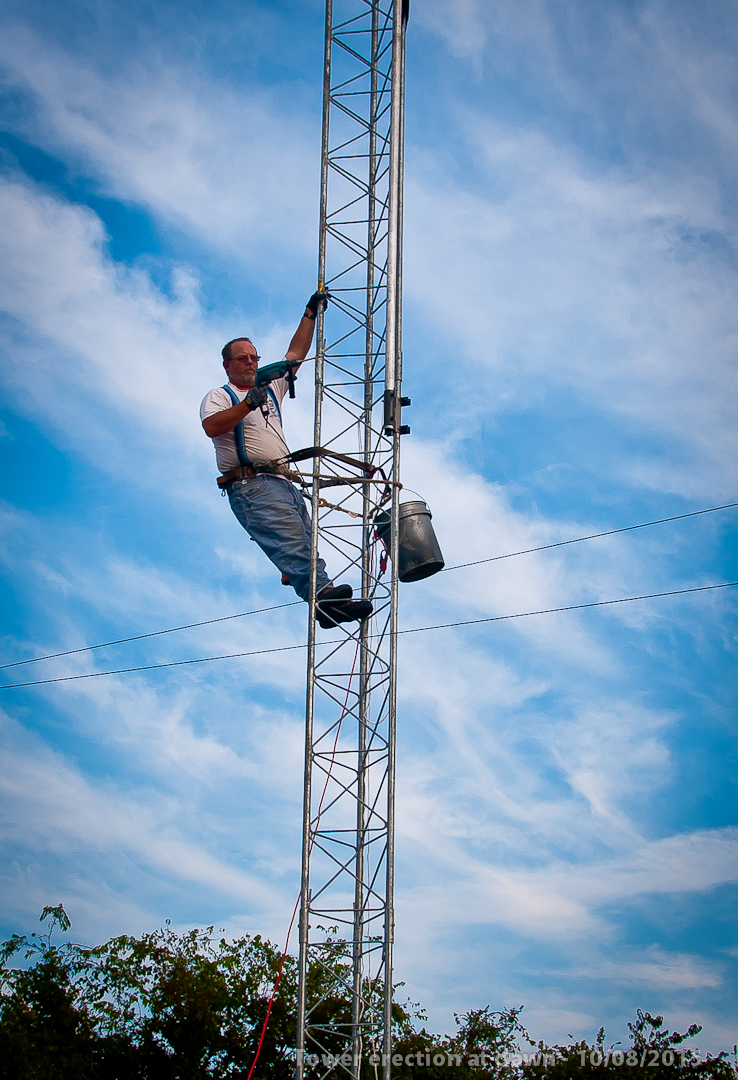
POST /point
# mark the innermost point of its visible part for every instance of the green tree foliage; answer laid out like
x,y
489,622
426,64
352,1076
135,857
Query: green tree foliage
x,y
487,1046
191,1006
162,1007
482,1047
653,1051
43,1032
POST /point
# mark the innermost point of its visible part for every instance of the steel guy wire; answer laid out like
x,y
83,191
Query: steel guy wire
x,y
295,603
591,536
410,630
152,633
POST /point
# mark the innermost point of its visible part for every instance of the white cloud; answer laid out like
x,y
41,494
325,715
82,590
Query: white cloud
x,y
586,285
229,167
668,70
656,969
55,808
562,900
97,337
183,726
563,275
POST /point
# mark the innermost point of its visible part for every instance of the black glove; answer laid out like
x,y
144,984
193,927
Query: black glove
x,y
256,396
318,301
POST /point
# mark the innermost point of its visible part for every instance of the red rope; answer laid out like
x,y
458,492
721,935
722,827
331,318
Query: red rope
x,y
312,844
274,991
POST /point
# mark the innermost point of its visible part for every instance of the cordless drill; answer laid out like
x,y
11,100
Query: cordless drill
x,y
282,369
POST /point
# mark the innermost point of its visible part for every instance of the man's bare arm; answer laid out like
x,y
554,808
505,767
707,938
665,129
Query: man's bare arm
x,y
221,422
302,340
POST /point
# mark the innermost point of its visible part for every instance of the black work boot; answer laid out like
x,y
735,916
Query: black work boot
x,y
332,613
335,592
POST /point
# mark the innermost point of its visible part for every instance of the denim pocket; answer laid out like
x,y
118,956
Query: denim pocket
x,y
253,485
247,489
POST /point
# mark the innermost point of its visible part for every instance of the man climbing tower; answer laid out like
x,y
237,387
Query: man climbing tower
x,y
245,423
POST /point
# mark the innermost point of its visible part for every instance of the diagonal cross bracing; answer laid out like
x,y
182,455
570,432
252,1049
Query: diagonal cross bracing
x,y
346,915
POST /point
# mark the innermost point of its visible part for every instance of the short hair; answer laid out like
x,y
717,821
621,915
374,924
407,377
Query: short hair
x,y
225,352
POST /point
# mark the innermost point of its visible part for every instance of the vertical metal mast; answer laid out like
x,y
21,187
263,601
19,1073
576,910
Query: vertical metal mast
x,y
346,914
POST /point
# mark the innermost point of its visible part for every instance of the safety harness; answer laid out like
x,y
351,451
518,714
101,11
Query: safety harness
x,y
238,430
282,468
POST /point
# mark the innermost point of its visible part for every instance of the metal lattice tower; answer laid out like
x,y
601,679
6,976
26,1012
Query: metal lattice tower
x,y
346,915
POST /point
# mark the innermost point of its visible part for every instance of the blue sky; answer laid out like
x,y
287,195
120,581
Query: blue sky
x,y
567,812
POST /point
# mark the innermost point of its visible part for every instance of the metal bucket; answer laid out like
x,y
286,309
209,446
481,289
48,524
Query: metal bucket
x,y
420,555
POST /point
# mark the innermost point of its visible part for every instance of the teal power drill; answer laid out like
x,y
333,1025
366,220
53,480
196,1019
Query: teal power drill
x,y
282,369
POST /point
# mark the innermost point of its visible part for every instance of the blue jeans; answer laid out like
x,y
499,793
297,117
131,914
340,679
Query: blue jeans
x,y
273,513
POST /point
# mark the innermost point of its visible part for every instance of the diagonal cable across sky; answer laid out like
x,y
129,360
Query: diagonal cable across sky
x,y
296,603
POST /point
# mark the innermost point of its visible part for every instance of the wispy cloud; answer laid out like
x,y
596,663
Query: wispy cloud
x,y
599,287
227,166
655,969
64,811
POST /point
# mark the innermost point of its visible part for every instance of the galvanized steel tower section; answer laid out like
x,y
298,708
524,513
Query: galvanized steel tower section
x,y
346,915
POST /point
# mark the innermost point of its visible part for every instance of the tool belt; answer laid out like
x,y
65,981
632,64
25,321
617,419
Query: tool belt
x,y
248,472
241,473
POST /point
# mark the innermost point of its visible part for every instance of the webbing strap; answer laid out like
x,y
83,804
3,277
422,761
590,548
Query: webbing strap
x,y
276,403
320,451
238,430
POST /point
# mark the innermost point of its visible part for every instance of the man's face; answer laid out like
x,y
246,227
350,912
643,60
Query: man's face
x,y
242,365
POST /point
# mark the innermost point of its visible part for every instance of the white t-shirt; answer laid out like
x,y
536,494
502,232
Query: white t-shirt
x,y
263,438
